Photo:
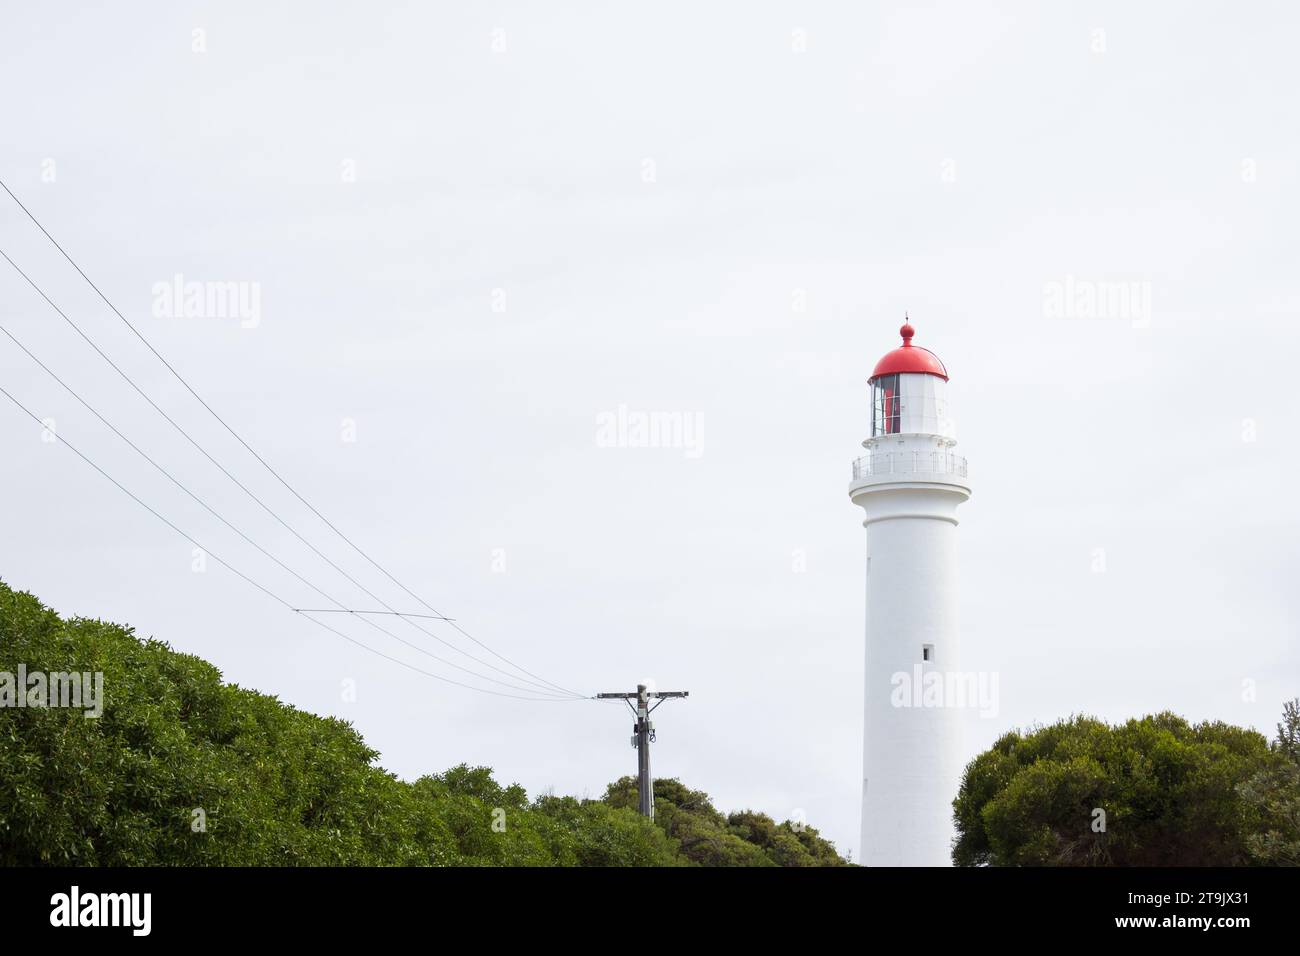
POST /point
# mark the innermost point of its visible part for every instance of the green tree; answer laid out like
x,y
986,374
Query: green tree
x,y
593,833
185,769
1154,791
1275,795
708,838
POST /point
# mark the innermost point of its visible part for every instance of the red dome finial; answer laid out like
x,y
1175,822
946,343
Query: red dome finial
x,y
907,332
908,358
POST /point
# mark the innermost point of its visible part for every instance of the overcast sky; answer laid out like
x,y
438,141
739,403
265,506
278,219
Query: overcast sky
x,y
474,234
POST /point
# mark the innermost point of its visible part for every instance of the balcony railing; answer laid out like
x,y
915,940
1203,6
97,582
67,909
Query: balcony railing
x,y
909,463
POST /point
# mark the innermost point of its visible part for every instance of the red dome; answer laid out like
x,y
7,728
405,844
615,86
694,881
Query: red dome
x,y
909,358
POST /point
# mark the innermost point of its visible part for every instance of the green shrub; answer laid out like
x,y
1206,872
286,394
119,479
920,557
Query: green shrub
x,y
1170,793
272,785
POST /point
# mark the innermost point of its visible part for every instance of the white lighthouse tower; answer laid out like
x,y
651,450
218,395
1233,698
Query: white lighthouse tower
x,y
910,483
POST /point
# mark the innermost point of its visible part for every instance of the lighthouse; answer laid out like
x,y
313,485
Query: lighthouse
x,y
909,484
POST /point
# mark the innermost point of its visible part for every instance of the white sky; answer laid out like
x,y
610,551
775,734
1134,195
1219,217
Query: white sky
x,y
953,160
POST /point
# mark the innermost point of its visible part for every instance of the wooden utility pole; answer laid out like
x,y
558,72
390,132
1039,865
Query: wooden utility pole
x,y
643,734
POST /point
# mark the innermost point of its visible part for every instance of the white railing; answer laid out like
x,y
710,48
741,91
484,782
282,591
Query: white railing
x,y
909,463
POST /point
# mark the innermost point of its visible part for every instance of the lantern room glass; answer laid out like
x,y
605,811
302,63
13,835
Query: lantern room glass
x,y
886,406
909,404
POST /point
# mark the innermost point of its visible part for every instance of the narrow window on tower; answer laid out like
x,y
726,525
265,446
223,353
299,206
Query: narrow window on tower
x,y
927,653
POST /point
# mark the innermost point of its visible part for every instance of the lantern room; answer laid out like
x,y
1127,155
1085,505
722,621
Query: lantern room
x,y
908,392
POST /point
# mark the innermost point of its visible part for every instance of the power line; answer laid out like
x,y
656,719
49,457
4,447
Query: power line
x,y
212,511
260,459
265,590
348,610
436,614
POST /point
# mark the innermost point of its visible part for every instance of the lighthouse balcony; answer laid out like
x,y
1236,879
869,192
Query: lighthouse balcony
x,y
909,464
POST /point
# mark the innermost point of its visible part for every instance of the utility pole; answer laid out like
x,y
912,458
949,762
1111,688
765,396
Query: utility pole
x,y
643,734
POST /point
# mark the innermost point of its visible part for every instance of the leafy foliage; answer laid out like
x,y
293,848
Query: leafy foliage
x,y
184,769
708,838
1170,793
1275,794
